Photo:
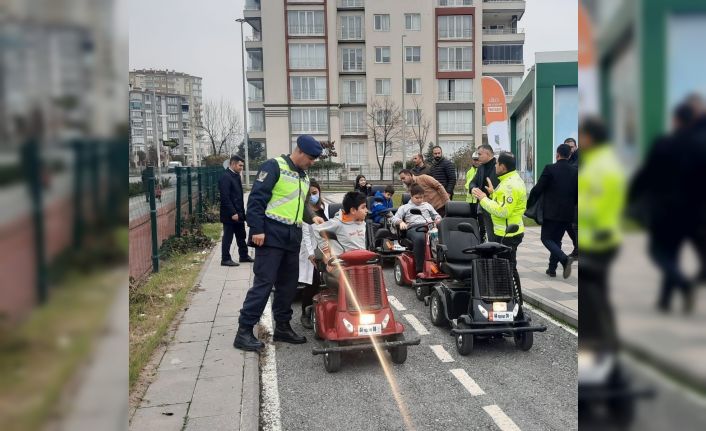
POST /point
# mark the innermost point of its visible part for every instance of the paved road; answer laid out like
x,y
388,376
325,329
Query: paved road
x,y
535,389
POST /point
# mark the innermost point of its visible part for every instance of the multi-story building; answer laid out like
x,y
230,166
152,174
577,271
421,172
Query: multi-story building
x,y
319,67
179,110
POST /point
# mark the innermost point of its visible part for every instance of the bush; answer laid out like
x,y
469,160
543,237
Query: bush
x,y
166,182
192,239
135,189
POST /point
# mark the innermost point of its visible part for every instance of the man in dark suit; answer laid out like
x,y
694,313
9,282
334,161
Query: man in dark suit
x,y
233,212
557,186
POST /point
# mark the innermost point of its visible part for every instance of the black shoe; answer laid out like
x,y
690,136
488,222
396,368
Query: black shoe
x,y
306,320
550,273
567,266
247,259
245,340
229,263
285,333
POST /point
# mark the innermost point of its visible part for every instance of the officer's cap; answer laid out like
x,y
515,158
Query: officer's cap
x,y
474,156
309,145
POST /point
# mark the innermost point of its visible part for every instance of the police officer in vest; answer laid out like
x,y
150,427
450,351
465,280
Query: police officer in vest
x,y
506,205
274,214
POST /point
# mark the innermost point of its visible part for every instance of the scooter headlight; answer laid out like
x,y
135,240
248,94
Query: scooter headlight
x,y
483,311
367,319
385,321
516,309
348,325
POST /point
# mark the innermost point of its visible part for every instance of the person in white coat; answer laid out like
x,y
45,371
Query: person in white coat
x,y
308,276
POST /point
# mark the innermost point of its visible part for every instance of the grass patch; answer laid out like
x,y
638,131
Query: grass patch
x,y
212,230
154,304
41,355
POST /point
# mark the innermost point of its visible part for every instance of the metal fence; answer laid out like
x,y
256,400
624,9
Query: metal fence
x,y
164,209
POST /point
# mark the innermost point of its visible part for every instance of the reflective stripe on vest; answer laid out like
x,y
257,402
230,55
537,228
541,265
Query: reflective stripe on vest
x,y
287,202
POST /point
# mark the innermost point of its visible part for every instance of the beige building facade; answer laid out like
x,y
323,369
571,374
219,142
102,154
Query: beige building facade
x,y
321,68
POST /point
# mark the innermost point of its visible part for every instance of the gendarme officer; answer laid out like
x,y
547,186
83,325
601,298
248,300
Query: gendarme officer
x,y
274,214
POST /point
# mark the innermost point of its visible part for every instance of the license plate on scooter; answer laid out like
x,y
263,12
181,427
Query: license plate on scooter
x,y
502,316
375,329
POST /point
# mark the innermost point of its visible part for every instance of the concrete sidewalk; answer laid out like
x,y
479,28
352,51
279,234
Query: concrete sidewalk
x,y
202,382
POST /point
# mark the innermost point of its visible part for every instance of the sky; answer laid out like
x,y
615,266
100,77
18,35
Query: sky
x,y
202,38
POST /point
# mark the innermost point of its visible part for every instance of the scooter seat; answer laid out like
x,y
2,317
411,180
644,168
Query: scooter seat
x,y
358,257
458,271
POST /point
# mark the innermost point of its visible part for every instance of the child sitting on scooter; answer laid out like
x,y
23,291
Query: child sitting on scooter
x,y
382,204
348,225
405,220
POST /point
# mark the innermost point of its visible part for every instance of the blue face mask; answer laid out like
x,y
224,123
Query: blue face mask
x,y
314,199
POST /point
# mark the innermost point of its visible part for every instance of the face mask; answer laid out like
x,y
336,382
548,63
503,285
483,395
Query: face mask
x,y
314,199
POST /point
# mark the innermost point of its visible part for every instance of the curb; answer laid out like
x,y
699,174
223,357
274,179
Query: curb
x,y
552,308
250,398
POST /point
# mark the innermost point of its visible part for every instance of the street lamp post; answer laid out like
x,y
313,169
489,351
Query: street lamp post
x,y
245,108
404,115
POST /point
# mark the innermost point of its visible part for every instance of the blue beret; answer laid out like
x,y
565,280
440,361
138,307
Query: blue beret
x,y
309,145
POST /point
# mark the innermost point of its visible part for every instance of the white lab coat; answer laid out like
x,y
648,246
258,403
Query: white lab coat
x,y
308,245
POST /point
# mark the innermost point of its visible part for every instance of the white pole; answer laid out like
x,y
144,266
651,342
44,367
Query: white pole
x,y
404,114
245,107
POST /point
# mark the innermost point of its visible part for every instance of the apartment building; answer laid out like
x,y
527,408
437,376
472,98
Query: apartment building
x,y
177,114
322,67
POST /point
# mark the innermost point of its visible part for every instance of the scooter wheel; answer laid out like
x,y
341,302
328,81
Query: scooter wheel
x,y
398,354
420,292
524,340
436,310
398,273
464,343
332,360
314,323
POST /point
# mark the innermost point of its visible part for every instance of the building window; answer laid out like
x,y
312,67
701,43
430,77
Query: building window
x,y
451,147
502,54
384,149
412,21
255,91
383,117
353,91
307,56
455,2
355,153
456,122
510,83
382,54
354,122
257,121
352,59
412,54
382,87
136,105
173,117
173,125
351,27
308,87
381,22
305,23
174,134
456,58
412,116
455,27
413,86
172,100
310,120
172,109
254,60
455,90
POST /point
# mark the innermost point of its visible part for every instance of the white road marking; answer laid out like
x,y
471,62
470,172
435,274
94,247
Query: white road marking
x,y
563,326
441,353
467,382
416,324
396,303
502,420
270,410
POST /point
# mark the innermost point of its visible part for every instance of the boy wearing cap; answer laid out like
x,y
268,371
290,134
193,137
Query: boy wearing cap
x,y
275,213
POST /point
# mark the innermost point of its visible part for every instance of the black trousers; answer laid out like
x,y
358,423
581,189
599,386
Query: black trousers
x,y
552,233
310,290
273,267
514,242
419,243
230,229
486,222
664,250
598,323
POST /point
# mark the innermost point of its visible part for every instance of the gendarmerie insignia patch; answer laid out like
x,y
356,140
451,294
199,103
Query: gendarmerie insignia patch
x,y
261,177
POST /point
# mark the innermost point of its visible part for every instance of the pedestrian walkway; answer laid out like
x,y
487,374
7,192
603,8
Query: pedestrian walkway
x,y
202,382
675,342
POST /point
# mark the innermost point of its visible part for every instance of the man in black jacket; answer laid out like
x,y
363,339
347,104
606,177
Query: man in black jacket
x,y
558,188
574,231
486,173
443,170
419,168
233,212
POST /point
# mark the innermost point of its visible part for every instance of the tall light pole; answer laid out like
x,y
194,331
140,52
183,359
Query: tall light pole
x,y
245,106
404,114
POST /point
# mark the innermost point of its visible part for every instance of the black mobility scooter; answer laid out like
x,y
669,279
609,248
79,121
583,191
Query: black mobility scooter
x,y
480,299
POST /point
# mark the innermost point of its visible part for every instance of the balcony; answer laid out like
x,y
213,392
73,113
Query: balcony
x,y
354,129
350,5
516,7
252,5
256,96
310,128
504,35
456,129
458,96
454,3
455,66
353,67
353,98
453,34
305,30
318,94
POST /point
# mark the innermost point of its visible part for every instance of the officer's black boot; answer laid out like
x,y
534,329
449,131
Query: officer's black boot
x,y
284,332
245,340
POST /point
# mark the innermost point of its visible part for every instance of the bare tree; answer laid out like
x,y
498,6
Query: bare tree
x,y
384,125
221,125
420,127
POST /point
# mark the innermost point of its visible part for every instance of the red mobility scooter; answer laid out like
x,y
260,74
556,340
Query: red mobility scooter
x,y
405,269
351,313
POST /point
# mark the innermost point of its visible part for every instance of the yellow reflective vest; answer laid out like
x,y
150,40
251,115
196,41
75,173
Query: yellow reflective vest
x,y
288,195
469,177
507,204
